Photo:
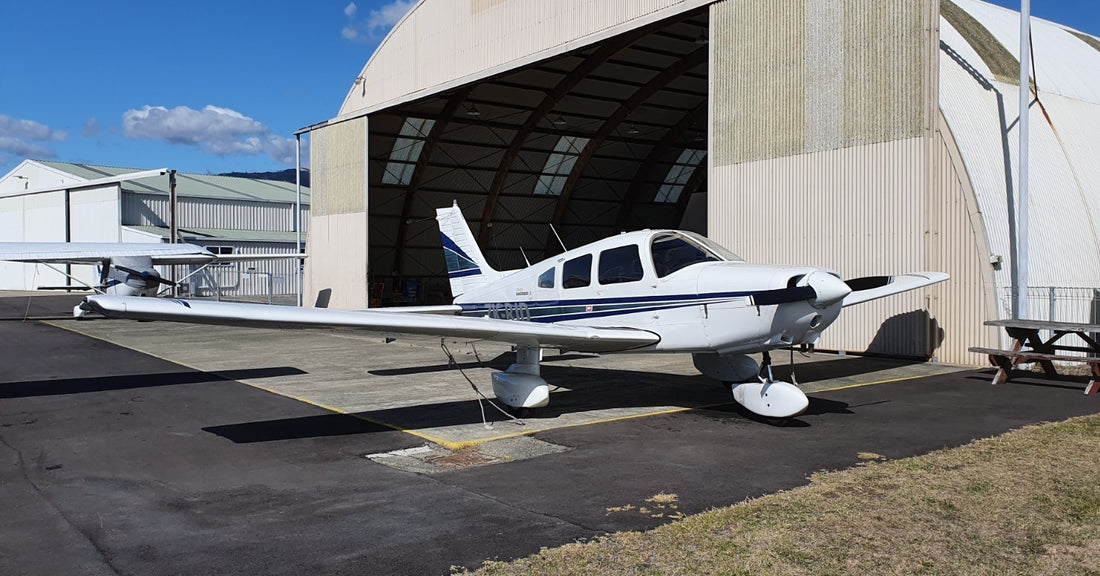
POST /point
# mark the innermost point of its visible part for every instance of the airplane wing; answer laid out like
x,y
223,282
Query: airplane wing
x,y
874,287
251,257
575,338
96,252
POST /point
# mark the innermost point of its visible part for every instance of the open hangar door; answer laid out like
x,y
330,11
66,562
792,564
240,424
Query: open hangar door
x,y
606,138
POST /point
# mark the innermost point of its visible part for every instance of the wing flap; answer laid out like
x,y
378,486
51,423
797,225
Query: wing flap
x,y
875,287
578,338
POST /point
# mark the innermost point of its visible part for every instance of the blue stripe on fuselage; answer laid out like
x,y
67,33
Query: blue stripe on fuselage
x,y
600,305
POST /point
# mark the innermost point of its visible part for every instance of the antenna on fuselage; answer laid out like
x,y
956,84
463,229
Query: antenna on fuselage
x,y
563,248
524,256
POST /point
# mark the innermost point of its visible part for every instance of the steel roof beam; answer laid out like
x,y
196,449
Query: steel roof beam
x,y
418,172
601,55
681,66
670,138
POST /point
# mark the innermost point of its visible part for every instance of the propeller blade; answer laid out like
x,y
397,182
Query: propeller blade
x,y
783,295
146,275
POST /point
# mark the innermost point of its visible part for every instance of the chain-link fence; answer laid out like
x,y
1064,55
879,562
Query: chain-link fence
x,y
1057,304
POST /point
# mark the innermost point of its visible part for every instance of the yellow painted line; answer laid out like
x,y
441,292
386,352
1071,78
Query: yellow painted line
x,y
846,387
448,444
451,445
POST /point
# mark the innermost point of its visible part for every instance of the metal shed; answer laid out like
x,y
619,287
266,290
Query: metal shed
x,y
225,214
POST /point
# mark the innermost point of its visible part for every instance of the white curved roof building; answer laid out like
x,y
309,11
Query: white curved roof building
x,y
869,137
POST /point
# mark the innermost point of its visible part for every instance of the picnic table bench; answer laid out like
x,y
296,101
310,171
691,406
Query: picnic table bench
x,y
1030,346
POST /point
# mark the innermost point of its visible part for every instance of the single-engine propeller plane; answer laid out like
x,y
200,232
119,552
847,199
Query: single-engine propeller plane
x,y
125,269
643,291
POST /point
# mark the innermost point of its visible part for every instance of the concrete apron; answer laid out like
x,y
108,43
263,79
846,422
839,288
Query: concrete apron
x,y
408,384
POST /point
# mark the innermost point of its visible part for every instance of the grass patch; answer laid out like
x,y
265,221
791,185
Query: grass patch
x,y
1027,502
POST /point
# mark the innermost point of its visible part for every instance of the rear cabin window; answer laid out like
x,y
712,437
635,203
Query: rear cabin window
x,y
546,279
620,264
577,273
672,252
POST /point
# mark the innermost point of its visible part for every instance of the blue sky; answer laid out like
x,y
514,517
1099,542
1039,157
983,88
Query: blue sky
x,y
205,86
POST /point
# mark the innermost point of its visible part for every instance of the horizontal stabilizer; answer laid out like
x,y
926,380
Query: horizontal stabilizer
x,y
874,287
576,338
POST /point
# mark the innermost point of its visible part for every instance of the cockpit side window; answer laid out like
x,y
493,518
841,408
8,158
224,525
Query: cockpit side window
x,y
620,264
546,279
577,273
672,252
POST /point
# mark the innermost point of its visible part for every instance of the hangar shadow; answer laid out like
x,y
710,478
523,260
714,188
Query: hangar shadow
x,y
589,389
58,387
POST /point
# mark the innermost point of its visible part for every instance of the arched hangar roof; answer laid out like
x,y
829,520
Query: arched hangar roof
x,y
979,99
587,115
440,44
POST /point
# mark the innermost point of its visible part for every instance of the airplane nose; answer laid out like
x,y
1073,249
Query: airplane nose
x,y
829,288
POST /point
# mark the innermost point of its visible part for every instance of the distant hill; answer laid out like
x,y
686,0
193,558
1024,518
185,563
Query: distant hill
x,y
282,175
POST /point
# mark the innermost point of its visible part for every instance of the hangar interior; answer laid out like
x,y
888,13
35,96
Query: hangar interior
x,y
866,137
604,138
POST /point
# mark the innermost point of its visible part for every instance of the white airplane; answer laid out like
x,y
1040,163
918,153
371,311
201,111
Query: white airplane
x,y
125,269
644,291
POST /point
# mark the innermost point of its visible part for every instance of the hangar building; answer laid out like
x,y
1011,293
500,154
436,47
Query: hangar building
x,y
45,201
866,136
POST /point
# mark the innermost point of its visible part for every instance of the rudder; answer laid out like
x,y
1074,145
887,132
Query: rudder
x,y
467,268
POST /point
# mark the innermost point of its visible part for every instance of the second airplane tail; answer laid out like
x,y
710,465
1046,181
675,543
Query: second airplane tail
x,y
467,268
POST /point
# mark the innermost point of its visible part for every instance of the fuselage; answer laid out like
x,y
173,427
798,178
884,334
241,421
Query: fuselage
x,y
695,295
131,276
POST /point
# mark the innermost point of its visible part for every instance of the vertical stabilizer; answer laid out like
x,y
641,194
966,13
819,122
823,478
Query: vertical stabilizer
x,y
466,265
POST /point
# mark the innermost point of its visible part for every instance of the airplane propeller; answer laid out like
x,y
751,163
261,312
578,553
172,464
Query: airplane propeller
x,y
821,288
146,276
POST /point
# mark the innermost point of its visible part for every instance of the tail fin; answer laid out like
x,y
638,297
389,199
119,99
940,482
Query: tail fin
x,y
466,265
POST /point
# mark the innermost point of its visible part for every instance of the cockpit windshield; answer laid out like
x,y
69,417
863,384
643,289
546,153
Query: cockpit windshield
x,y
674,251
715,247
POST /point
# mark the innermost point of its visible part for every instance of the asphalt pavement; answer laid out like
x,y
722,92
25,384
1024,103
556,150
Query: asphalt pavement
x,y
117,462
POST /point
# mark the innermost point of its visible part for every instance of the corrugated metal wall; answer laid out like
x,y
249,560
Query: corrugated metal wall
x,y
41,218
254,278
823,150
152,210
982,111
441,41
336,271
969,298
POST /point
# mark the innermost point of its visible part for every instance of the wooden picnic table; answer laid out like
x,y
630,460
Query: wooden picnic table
x,y
1029,345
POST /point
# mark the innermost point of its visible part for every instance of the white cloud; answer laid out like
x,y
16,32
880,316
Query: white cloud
x,y
29,130
219,131
20,138
377,23
22,148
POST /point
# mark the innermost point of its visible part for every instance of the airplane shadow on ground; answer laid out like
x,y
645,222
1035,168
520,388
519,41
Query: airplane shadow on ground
x,y
834,368
589,389
133,381
500,362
